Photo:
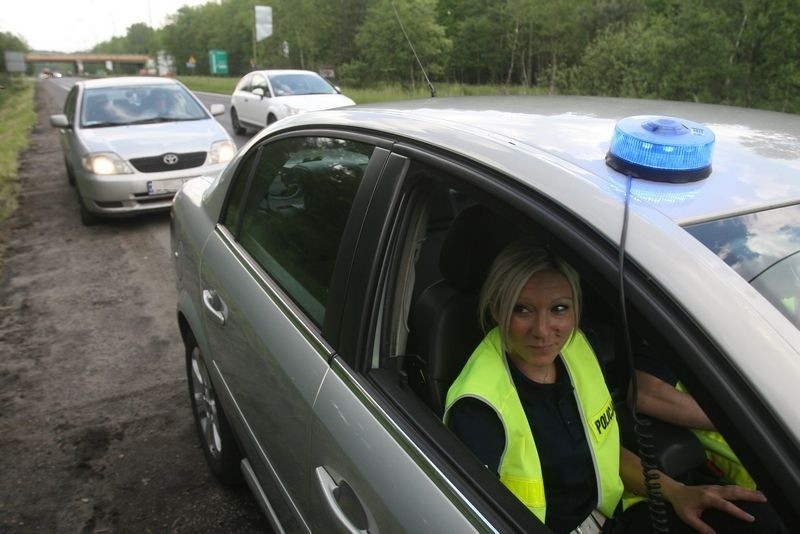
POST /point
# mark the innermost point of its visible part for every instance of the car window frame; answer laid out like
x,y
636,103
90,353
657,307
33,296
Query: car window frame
x,y
244,83
256,77
70,105
341,271
456,465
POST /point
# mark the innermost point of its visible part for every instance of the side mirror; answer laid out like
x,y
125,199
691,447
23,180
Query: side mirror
x,y
217,109
59,121
259,91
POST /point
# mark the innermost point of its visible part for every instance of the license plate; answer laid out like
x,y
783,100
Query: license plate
x,y
161,187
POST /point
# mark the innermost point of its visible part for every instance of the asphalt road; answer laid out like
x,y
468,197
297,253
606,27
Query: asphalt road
x,y
96,431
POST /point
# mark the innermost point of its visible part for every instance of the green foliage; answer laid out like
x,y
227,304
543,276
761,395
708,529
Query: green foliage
x,y
624,60
766,55
16,120
191,35
384,53
480,32
741,52
139,39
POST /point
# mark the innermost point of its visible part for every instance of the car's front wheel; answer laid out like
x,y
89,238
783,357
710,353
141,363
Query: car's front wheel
x,y
216,438
238,129
87,217
70,173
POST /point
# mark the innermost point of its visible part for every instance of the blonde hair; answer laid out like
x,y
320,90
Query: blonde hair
x,y
509,272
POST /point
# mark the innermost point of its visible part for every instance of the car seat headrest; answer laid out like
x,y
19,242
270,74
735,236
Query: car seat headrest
x,y
474,239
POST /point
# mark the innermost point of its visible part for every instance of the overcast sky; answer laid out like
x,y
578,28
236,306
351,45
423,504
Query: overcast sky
x,y
75,25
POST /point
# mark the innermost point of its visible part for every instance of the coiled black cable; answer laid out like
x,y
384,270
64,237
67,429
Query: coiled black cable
x,y
644,435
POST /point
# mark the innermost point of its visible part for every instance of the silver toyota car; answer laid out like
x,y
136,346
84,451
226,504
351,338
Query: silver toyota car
x,y
129,143
327,291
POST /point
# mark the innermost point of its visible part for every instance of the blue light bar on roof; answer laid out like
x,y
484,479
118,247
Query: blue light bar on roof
x,y
664,149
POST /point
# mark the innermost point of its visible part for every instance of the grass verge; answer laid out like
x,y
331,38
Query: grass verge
x,y
17,117
381,93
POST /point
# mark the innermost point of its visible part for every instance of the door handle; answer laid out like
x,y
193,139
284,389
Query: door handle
x,y
331,493
215,306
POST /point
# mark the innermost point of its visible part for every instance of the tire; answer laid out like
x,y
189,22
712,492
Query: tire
x,y
216,439
70,173
87,217
271,119
238,129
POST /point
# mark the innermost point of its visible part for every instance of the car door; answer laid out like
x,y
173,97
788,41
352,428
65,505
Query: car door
x,y
382,460
67,136
266,275
253,107
376,457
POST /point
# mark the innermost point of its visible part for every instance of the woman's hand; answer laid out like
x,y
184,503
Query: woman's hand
x,y
690,502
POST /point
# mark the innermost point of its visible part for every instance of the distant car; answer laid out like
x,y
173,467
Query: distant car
x,y
265,96
129,143
328,286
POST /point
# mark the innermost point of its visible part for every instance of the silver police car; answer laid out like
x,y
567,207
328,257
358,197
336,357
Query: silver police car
x,y
129,143
328,278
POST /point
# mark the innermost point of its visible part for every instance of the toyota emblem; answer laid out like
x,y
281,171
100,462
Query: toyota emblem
x,y
170,159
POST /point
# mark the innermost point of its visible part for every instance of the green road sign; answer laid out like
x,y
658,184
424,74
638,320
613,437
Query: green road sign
x,y
218,60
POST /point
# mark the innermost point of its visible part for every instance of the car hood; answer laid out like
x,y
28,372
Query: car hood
x,y
315,102
142,140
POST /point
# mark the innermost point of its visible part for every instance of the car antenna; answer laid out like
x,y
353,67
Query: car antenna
x,y
644,435
400,22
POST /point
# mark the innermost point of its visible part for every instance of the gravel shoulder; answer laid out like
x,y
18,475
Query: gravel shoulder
x,y
96,433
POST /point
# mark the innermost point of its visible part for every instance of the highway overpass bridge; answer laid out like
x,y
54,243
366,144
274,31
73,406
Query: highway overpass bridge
x,y
84,63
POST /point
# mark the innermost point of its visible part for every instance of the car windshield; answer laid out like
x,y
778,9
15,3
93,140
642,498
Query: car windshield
x,y
120,106
764,248
300,84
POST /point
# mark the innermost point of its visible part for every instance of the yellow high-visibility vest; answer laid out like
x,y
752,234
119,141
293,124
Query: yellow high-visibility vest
x,y
487,378
721,454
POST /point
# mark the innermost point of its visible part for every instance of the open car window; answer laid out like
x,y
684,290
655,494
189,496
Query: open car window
x,y
445,236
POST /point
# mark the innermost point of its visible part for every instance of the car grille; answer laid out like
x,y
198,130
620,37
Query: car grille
x,y
156,163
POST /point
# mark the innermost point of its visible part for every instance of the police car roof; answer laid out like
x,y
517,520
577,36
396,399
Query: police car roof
x,y
755,165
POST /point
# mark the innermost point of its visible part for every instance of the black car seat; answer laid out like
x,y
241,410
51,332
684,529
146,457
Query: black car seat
x,y
444,320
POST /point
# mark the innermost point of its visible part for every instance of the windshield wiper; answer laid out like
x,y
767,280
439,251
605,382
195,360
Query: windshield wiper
x,y
151,120
104,124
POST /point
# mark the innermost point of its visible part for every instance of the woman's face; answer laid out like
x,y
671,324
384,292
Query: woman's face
x,y
542,320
